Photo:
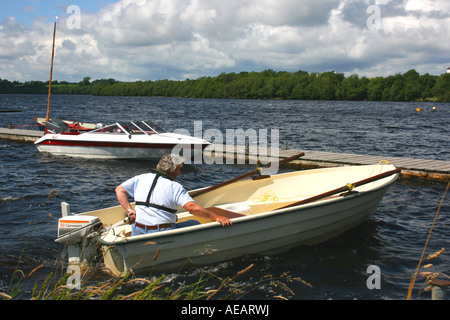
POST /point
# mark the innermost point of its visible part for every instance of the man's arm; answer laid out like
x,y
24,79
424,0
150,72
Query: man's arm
x,y
198,210
122,197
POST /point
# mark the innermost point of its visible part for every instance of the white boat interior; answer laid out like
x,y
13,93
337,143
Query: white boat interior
x,y
264,196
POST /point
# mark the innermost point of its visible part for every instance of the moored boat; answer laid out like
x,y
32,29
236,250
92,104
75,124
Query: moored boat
x,y
121,140
270,214
73,125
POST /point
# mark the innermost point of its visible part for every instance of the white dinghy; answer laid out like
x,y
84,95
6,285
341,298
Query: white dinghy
x,y
270,214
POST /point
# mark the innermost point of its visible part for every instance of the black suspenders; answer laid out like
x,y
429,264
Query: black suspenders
x,y
152,205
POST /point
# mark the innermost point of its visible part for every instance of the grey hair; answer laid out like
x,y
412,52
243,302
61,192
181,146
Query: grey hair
x,y
169,162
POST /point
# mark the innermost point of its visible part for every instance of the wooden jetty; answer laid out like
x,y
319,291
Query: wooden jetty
x,y
418,170
9,110
412,169
20,135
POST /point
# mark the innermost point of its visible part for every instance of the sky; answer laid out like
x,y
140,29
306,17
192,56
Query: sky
x,y
132,40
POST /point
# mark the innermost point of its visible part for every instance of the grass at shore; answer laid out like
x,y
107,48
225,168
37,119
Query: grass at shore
x,y
208,286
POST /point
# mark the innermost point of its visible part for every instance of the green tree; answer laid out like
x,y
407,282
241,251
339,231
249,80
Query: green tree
x,y
442,88
375,89
396,90
412,86
354,88
86,81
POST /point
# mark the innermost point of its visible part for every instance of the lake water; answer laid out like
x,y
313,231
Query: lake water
x,y
393,239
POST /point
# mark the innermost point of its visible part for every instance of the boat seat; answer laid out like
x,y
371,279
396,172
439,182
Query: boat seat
x,y
225,213
219,211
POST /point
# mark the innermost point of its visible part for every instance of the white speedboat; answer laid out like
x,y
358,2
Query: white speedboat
x,y
270,214
121,140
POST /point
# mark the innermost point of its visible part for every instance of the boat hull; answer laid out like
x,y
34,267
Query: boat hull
x,y
149,151
91,147
270,232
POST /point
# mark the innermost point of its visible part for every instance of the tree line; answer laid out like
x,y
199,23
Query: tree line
x,y
268,84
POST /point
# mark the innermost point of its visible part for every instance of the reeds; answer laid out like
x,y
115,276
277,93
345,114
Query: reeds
x,y
429,277
59,285
130,287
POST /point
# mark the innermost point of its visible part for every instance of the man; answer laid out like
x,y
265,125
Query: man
x,y
158,196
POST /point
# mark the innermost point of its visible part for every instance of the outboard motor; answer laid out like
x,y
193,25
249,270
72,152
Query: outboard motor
x,y
57,126
79,233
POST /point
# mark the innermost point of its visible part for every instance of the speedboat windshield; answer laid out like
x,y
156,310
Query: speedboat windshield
x,y
132,127
154,126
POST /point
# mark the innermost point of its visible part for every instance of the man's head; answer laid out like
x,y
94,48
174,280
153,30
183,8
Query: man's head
x,y
170,163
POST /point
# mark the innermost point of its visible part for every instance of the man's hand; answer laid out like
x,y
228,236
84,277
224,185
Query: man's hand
x,y
131,214
224,221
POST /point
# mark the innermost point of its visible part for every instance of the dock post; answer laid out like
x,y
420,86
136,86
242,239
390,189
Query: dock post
x,y
439,289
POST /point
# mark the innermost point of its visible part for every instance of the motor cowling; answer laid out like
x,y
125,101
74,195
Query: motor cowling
x,y
79,233
57,126
74,229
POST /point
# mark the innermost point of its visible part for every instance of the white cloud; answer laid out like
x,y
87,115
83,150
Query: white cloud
x,y
425,5
174,39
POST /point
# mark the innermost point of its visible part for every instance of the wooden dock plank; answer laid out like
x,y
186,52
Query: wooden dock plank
x,y
20,134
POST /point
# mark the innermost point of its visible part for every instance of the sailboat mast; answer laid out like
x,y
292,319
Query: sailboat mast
x,y
51,74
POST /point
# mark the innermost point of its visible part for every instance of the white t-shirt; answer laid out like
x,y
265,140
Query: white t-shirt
x,y
166,193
